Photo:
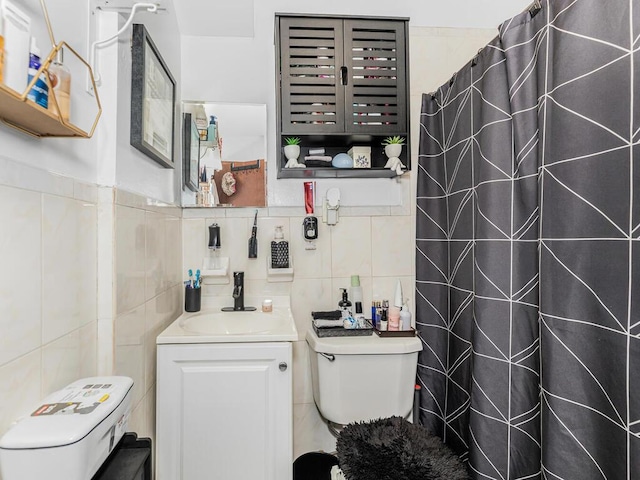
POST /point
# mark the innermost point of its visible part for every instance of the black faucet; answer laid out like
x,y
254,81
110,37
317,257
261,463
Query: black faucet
x,y
238,295
238,290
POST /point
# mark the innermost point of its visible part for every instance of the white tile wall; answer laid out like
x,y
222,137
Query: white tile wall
x,y
69,265
148,259
48,286
59,324
349,248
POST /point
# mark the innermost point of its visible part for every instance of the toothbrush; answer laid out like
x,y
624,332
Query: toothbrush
x,y
198,278
191,277
253,240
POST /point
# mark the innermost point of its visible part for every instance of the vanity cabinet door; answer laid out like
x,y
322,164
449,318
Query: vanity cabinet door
x,y
224,411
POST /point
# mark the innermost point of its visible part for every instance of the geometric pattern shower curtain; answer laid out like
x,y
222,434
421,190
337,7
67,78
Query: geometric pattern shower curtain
x,y
528,248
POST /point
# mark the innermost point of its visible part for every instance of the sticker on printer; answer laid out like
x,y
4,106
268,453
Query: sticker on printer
x,y
75,402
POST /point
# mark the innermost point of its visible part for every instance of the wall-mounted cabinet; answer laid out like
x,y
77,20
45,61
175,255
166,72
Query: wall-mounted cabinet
x,y
342,82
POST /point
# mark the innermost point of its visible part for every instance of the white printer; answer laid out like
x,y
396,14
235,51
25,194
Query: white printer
x,y
71,433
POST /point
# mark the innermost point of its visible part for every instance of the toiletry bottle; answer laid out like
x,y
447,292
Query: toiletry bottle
x,y
405,316
374,311
383,321
60,78
39,93
355,291
279,250
1,48
211,130
397,301
394,318
345,304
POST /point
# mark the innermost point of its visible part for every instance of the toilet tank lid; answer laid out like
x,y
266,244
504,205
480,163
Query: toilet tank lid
x,y
68,415
363,345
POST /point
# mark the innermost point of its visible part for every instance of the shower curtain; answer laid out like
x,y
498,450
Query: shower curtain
x,y
528,248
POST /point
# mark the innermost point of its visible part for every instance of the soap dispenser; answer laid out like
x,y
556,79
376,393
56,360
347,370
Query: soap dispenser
x,y
211,130
214,246
279,250
344,304
405,317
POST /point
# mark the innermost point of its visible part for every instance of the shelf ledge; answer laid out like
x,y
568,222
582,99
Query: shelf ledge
x,y
337,173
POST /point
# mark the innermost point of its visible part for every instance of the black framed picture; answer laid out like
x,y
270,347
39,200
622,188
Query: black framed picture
x,y
190,152
153,98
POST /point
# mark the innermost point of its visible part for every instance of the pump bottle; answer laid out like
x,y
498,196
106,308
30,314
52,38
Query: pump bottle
x,y
405,316
344,304
61,83
279,249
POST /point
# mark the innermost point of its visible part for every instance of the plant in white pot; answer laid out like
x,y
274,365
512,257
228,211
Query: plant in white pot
x,y
393,149
292,152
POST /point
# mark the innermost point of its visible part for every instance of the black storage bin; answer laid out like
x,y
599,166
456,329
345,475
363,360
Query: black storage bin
x,y
130,460
314,466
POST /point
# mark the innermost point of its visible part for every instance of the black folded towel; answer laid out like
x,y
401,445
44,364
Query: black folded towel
x,y
332,315
317,163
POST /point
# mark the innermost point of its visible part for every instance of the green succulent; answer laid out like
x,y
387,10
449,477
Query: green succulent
x,y
397,140
292,141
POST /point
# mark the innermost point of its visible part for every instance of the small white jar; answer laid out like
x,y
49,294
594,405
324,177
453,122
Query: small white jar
x,y
267,305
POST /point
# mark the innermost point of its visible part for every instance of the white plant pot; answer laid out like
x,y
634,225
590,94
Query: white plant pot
x,y
292,152
393,150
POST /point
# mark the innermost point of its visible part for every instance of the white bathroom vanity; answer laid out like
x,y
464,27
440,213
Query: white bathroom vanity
x,y
224,398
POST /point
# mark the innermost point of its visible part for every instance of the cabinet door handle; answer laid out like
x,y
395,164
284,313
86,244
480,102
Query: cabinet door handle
x,y
283,366
344,75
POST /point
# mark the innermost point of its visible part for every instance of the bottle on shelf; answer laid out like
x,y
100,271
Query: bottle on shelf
x,y
212,135
39,93
60,78
1,48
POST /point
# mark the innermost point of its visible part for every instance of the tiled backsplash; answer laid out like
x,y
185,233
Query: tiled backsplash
x,y
372,243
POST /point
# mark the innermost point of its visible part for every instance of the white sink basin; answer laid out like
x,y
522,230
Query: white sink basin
x,y
232,323
212,325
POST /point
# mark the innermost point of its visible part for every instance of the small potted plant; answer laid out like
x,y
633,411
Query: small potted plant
x,y
393,149
393,146
292,151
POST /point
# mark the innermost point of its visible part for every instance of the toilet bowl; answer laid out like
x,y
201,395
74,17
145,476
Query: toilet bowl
x,y
362,378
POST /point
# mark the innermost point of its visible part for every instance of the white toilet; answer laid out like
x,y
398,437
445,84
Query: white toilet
x,y
362,378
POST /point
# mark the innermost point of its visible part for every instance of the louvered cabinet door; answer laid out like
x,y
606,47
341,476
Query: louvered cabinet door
x,y
311,57
376,68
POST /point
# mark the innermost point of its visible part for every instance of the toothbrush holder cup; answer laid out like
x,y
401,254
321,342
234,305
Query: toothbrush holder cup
x,y
192,299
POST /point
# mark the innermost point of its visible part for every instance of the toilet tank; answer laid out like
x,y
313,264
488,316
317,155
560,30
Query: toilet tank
x,y
70,434
363,378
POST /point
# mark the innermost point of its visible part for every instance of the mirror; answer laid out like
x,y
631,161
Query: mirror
x,y
233,154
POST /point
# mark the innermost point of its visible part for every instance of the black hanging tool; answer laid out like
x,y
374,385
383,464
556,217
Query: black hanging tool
x,y
253,240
